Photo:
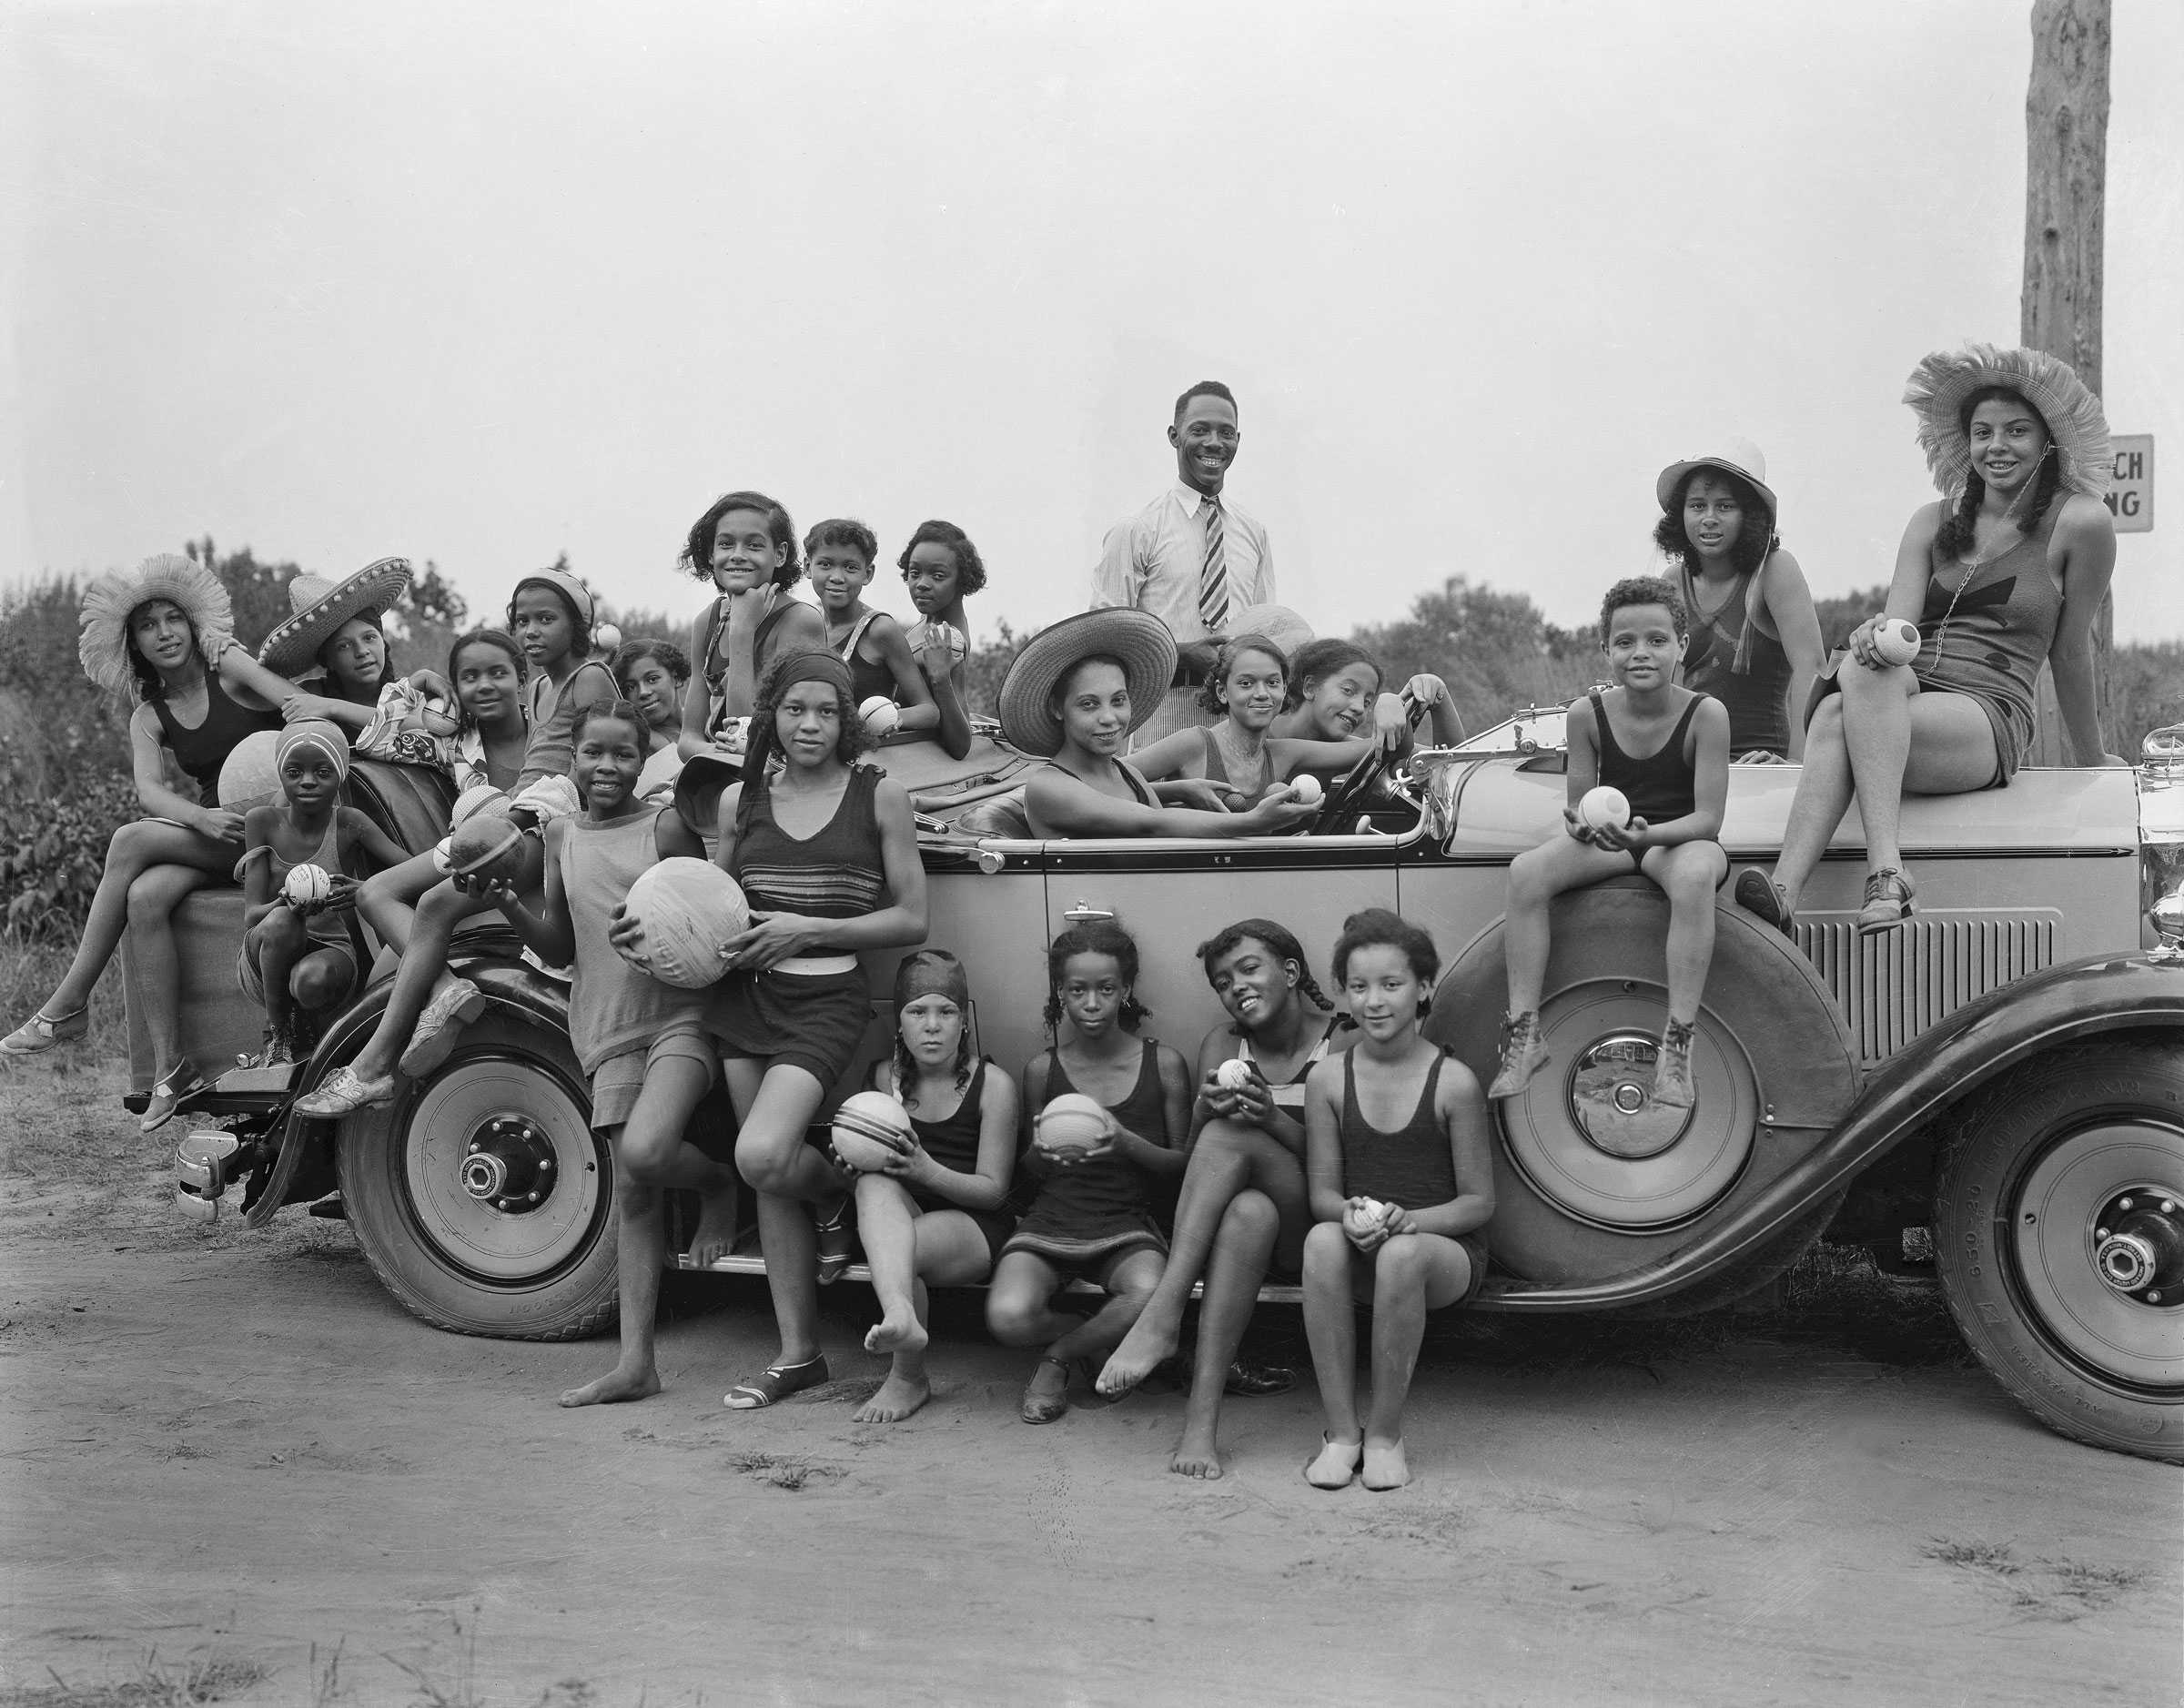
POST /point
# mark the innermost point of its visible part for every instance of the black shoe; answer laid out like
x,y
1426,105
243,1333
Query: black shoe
x,y
1256,1381
1762,897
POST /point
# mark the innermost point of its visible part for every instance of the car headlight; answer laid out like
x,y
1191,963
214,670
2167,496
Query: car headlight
x,y
2161,840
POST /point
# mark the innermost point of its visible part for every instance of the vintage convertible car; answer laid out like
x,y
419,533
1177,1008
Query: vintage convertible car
x,y
2003,1076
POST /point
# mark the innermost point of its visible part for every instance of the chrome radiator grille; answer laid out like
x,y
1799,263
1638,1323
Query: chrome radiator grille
x,y
1893,987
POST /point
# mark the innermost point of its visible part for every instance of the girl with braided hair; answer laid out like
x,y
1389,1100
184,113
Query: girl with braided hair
x,y
2004,575
1243,1200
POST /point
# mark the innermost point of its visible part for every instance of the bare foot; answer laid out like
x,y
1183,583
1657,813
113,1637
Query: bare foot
x,y
1385,1466
897,1398
715,1236
1336,1465
617,1387
897,1331
1194,1453
1147,1345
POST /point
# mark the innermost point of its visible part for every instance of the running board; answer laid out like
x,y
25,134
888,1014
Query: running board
x,y
1270,1293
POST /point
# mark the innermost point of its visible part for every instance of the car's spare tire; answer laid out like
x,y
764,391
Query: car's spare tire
x,y
482,1197
1592,1177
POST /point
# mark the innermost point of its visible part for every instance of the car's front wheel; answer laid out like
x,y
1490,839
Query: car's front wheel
x,y
2060,1239
482,1197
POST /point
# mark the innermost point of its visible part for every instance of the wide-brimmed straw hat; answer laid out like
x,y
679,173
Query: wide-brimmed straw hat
x,y
321,605
102,644
1735,456
1939,385
1137,639
1277,623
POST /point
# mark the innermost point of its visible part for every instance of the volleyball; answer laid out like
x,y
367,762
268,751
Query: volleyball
x,y
486,848
1233,1075
1071,1122
1308,790
606,638
251,775
863,1126
959,644
687,908
307,885
473,801
881,714
1599,808
1895,641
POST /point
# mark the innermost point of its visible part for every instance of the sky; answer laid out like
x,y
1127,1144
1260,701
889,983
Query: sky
x,y
483,284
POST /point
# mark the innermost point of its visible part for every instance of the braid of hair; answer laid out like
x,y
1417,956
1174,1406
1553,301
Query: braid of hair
x,y
906,1071
963,1061
2045,486
1309,987
1955,539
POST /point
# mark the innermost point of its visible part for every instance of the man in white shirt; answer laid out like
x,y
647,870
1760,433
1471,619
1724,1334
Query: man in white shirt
x,y
1189,557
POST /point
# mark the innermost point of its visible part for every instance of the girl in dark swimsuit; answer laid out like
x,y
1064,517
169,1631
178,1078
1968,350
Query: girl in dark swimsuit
x,y
1403,1187
160,634
1243,1194
746,546
934,1216
1093,1213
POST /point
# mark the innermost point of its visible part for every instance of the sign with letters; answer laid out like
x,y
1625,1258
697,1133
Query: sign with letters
x,y
2131,499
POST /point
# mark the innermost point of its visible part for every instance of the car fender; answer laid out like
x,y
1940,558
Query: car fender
x,y
515,984
2098,995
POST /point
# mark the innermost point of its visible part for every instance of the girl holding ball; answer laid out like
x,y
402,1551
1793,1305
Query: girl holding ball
x,y
298,950
941,568
2004,574
1403,1187
1666,748
932,1216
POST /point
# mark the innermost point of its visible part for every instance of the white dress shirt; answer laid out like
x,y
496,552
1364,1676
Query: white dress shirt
x,y
1153,562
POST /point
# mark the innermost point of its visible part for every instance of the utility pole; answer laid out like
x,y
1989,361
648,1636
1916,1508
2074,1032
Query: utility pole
x,y
2066,192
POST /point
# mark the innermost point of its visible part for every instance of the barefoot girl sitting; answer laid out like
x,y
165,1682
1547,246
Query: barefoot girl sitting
x,y
942,568
550,617
1093,1213
2003,575
299,952
839,556
1403,1187
746,545
1237,759
644,1044
1076,693
934,1216
1243,1196
1334,695
654,677
1754,642
826,851
160,634
1667,749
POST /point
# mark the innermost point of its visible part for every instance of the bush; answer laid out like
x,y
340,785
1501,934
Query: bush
x,y
52,851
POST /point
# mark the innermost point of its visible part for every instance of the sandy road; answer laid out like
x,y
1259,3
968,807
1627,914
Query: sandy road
x,y
237,1445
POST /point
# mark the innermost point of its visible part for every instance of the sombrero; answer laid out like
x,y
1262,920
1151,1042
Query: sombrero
x,y
1738,456
321,605
1277,623
1939,385
1140,639
103,644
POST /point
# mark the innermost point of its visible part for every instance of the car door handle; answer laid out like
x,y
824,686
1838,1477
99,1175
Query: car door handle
x,y
1084,913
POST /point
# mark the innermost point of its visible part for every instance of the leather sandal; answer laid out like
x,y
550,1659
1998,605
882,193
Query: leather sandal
x,y
837,1245
1036,1407
43,1032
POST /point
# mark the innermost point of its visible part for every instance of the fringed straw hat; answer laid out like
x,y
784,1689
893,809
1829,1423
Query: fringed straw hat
x,y
111,600
321,605
1939,386
1138,638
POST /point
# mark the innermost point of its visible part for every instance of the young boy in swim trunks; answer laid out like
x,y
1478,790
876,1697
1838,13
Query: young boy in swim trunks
x,y
1667,749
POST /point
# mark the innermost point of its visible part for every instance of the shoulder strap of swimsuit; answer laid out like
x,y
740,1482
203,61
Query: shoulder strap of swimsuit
x,y
1604,732
1675,741
1138,786
712,663
856,633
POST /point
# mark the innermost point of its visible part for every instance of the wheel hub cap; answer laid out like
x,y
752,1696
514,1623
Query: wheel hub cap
x,y
1612,1099
508,1163
2138,1246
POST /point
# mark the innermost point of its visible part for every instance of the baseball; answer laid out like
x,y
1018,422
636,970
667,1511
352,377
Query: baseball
x,y
1233,1075
1308,791
1895,641
880,714
1601,807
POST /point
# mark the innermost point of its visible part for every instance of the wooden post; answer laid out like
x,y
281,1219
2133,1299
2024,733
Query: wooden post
x,y
2066,183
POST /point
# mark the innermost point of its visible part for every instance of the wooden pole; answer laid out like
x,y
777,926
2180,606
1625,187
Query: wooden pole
x,y
2066,184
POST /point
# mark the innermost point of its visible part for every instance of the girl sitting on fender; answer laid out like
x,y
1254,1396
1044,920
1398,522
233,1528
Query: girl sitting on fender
x,y
1667,749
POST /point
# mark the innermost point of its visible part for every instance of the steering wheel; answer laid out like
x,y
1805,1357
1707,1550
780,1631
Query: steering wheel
x,y
1361,780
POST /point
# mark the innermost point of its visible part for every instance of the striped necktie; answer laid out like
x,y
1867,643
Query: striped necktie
x,y
1213,579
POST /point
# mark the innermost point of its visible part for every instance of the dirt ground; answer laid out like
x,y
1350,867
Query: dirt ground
x,y
232,1470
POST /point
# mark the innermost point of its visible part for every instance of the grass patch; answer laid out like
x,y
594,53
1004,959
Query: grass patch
x,y
2062,1590
1995,1558
200,1678
781,1471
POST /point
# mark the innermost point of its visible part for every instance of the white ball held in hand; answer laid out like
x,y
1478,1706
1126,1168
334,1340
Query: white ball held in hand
x,y
1895,641
307,885
686,907
1071,1124
1308,791
437,717
863,1126
881,714
1233,1075
1601,807
959,643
